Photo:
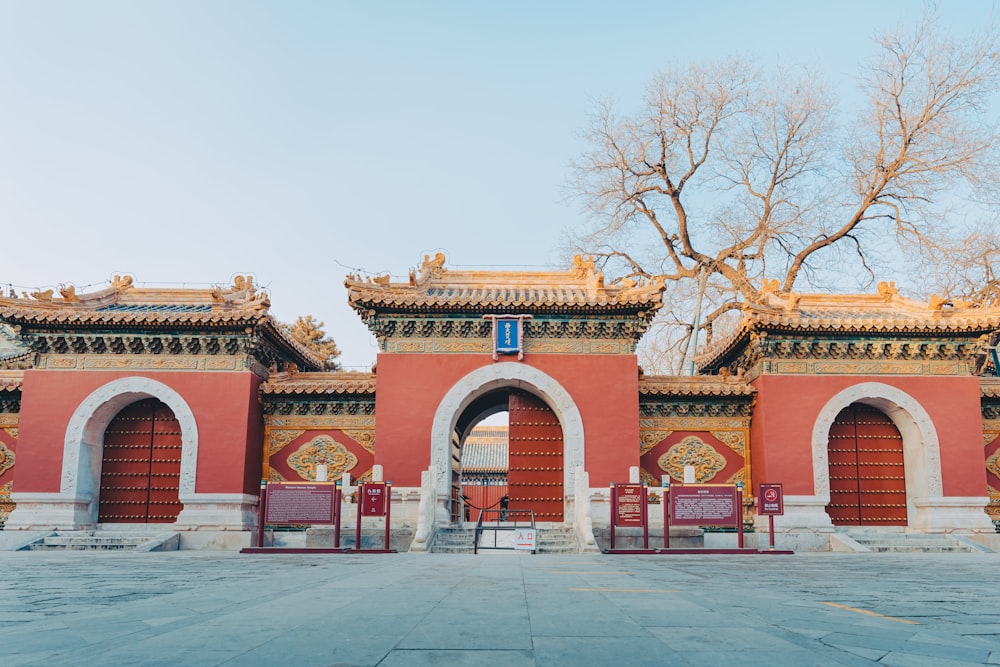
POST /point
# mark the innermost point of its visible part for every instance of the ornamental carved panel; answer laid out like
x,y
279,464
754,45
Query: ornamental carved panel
x,y
322,450
692,451
719,455
6,458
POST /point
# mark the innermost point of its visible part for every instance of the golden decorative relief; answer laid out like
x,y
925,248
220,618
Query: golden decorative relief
x,y
365,438
692,451
220,364
316,422
9,420
142,361
554,346
790,367
279,438
735,440
647,479
6,458
692,423
607,347
60,362
459,346
274,476
989,437
650,439
409,346
6,504
11,430
326,450
868,368
993,464
740,476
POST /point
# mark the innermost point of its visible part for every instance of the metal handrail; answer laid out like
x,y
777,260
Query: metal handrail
x,y
503,515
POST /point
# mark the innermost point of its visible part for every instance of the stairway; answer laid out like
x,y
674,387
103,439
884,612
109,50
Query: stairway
x,y
89,540
456,540
452,540
886,542
557,541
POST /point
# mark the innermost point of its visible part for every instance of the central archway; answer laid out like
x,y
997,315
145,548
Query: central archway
x,y
487,380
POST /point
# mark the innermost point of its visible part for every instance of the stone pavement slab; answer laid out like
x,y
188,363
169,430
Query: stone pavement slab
x,y
221,608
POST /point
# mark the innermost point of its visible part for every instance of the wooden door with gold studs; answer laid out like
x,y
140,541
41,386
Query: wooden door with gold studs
x,y
141,468
535,473
867,476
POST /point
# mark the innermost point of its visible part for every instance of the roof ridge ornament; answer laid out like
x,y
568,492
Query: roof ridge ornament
x,y
430,269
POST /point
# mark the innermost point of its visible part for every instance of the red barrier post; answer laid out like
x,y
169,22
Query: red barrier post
x,y
614,514
357,531
645,517
666,513
261,512
388,512
337,498
739,509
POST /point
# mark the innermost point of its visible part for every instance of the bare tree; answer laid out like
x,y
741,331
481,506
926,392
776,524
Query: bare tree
x,y
727,177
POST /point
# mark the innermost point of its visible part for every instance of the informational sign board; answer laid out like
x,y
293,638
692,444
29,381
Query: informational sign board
x,y
293,503
770,500
630,501
373,499
704,505
524,538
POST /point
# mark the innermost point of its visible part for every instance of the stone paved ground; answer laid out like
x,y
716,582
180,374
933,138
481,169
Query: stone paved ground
x,y
214,608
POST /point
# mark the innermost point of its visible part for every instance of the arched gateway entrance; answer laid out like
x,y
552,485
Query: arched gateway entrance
x,y
867,476
546,435
141,465
534,475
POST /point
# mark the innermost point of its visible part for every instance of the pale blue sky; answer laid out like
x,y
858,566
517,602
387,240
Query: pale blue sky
x,y
188,141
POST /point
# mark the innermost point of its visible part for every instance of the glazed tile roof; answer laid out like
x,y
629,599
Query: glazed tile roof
x,y
342,382
121,304
884,312
486,450
989,387
699,385
433,287
11,380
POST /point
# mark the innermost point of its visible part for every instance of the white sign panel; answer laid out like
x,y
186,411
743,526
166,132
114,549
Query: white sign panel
x,y
524,538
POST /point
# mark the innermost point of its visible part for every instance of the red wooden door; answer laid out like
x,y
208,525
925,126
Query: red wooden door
x,y
867,478
535,473
141,468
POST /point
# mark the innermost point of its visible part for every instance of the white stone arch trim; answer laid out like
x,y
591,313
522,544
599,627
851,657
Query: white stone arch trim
x,y
498,376
83,446
921,447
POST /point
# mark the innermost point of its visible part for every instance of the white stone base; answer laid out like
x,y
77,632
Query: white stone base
x,y
217,511
49,511
951,514
802,514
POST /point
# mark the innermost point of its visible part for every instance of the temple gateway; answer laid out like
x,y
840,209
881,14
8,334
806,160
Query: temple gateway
x,y
144,409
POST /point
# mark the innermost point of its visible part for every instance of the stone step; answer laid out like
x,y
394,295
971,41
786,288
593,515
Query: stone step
x,y
90,541
909,543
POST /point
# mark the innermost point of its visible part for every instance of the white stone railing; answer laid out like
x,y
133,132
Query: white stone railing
x,y
425,510
583,519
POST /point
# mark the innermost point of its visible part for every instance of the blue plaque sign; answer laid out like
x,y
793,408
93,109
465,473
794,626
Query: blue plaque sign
x,y
508,338
508,332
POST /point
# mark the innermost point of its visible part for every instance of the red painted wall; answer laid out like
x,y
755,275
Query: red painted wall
x,y
788,406
411,387
225,406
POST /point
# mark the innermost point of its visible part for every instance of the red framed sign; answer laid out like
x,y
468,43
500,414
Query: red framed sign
x,y
704,505
630,501
373,499
770,500
293,503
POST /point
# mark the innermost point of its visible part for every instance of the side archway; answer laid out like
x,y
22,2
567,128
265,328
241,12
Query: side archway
x,y
84,442
505,375
921,447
